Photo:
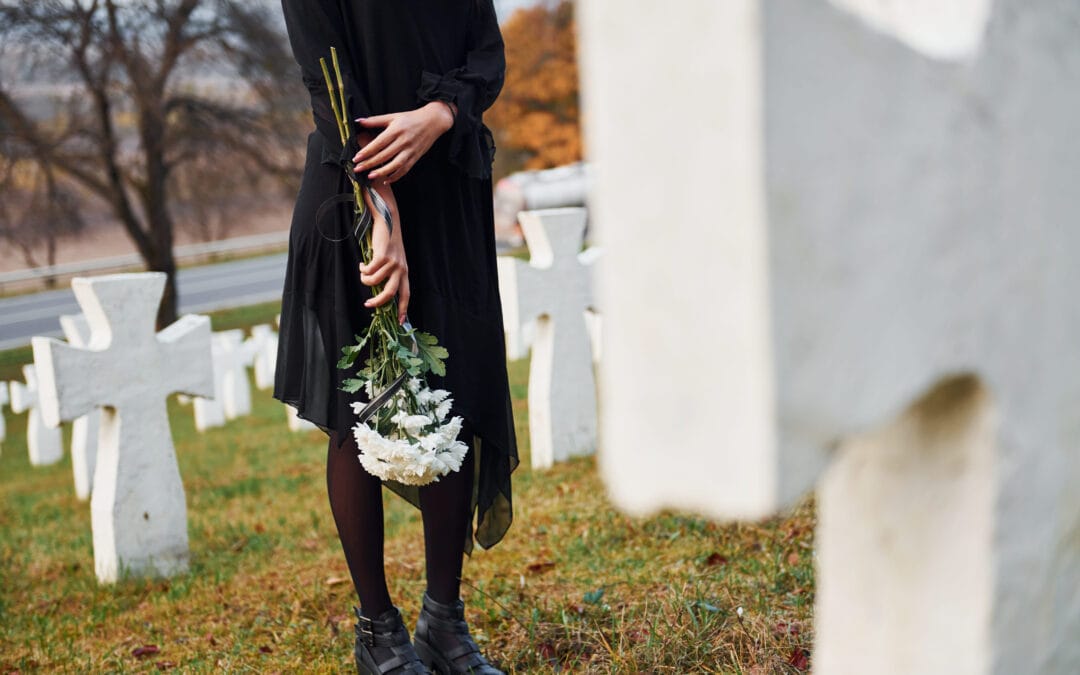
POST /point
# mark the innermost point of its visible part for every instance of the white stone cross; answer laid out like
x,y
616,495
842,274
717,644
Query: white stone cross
x,y
849,257
231,361
44,443
4,399
210,410
555,289
138,509
263,343
295,422
84,430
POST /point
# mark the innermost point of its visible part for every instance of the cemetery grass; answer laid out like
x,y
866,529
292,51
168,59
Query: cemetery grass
x,y
574,587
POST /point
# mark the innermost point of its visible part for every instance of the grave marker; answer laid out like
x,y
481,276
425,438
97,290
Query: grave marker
x,y
555,289
853,261
84,430
43,442
138,508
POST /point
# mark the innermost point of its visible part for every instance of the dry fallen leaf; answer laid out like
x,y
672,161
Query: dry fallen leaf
x,y
800,659
540,567
334,581
144,651
715,559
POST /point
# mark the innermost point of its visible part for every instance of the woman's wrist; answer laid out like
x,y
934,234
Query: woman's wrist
x,y
445,113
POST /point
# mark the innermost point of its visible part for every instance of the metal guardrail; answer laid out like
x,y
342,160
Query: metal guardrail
x,y
184,252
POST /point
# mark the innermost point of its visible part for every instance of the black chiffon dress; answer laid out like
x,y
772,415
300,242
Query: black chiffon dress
x,y
396,55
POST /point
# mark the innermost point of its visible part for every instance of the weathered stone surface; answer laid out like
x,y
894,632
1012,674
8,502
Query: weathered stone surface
x,y
84,430
836,223
138,508
43,442
555,289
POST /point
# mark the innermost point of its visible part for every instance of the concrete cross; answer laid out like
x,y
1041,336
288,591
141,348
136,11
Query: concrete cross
x,y
210,411
138,508
4,399
231,361
852,262
555,289
44,443
84,430
263,343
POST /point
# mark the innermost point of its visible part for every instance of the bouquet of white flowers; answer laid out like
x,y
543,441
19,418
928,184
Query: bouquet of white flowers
x,y
402,431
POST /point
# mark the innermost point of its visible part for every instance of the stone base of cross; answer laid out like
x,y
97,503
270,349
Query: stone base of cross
x,y
138,508
852,263
555,289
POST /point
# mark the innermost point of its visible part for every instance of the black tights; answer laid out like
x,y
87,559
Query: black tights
x,y
356,501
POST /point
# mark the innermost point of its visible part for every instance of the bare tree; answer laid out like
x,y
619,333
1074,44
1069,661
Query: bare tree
x,y
135,117
35,210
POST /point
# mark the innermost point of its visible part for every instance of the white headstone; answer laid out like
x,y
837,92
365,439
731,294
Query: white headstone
x,y
138,509
263,343
84,430
4,399
297,423
231,361
555,290
826,240
44,443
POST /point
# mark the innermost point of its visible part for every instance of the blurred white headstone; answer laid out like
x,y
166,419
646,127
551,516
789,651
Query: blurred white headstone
x,y
4,399
44,443
138,508
263,343
297,423
555,289
831,258
84,430
233,358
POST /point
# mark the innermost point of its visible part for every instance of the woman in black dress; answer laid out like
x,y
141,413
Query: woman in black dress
x,y
419,74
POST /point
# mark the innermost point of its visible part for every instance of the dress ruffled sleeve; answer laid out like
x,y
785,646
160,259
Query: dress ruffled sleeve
x,y
472,87
313,28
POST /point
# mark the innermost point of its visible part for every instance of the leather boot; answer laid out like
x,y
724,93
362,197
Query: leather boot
x,y
383,647
443,642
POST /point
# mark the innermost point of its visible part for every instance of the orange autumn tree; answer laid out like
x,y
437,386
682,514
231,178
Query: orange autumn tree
x,y
536,118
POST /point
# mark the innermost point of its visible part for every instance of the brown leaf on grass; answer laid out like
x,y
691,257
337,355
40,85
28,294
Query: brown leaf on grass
x,y
715,559
260,528
800,658
265,649
540,567
144,651
164,665
211,640
334,581
547,651
793,559
309,544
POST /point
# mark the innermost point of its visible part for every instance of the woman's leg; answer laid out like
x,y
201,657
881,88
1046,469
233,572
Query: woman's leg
x,y
445,507
356,500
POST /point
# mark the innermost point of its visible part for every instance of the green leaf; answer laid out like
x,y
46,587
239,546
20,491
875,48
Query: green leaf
x,y
351,386
593,597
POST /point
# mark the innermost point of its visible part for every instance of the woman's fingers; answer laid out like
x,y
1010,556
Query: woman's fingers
x,y
403,300
377,145
384,156
401,161
388,291
376,121
377,276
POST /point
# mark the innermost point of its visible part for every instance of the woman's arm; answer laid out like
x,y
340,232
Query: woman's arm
x,y
388,262
467,91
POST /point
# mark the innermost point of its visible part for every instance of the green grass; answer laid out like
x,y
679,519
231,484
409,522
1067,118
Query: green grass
x,y
575,586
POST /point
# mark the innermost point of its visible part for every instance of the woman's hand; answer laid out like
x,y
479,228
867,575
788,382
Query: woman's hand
x,y
388,263
406,136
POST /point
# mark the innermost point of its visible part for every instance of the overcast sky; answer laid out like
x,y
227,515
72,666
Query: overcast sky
x,y
507,7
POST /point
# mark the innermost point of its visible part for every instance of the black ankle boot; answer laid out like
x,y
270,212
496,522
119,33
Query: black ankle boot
x,y
444,644
383,647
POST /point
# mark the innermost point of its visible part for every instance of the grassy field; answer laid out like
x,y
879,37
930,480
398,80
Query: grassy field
x,y
574,587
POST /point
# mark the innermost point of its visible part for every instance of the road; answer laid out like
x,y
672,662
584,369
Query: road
x,y
202,289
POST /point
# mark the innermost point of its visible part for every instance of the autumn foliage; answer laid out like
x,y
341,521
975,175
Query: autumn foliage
x,y
536,119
